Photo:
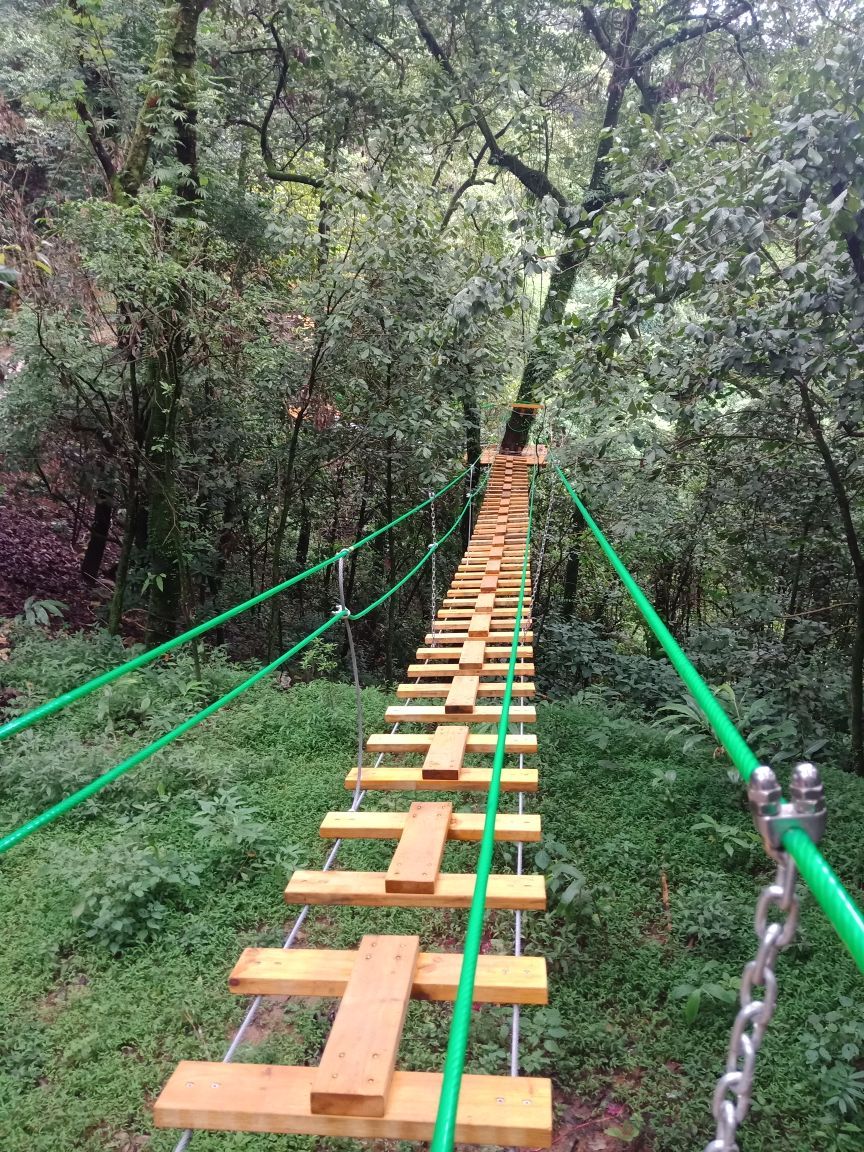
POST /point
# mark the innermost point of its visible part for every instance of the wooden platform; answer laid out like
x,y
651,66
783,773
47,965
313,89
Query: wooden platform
x,y
357,1089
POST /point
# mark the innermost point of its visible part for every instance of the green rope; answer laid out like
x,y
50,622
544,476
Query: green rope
x,y
454,1064
76,798
432,548
823,882
19,723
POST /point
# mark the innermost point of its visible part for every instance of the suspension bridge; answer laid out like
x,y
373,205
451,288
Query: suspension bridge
x,y
473,670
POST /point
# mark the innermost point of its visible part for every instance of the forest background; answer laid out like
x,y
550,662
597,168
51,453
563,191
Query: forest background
x,y
271,273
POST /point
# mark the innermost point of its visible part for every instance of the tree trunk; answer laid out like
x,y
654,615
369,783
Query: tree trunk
x,y
274,626
163,518
554,309
115,612
103,512
361,525
795,584
571,570
857,702
856,687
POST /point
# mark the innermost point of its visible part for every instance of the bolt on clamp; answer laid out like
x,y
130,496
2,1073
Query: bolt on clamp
x,y
774,817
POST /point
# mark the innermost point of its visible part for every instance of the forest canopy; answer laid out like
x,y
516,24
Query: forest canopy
x,y
269,274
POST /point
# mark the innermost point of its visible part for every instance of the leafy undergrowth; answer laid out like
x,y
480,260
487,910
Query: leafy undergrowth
x,y
122,921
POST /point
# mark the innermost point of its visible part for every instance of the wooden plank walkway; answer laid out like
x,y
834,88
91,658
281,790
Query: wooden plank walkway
x,y
357,1089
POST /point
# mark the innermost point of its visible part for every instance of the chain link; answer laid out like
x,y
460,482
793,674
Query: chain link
x,y
733,1091
434,567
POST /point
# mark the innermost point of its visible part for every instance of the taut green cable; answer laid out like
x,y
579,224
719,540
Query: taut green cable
x,y
823,882
432,548
101,782
457,1042
19,723
63,806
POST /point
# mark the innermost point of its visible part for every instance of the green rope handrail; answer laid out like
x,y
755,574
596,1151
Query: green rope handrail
x,y
74,799
27,719
457,1042
827,888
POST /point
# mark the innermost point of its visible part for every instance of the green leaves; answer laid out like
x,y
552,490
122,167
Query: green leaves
x,y
710,983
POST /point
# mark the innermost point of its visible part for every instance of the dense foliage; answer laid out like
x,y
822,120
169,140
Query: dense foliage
x,y
269,274
139,903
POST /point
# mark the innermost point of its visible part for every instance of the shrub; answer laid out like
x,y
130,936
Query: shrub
x,y
703,912
127,890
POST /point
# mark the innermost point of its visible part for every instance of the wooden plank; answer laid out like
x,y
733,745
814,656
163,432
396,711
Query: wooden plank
x,y
399,778
461,695
499,625
458,638
444,748
480,625
492,651
472,656
509,827
452,890
449,744
416,862
459,601
431,670
479,714
506,584
457,618
325,972
359,1058
275,1098
486,603
434,691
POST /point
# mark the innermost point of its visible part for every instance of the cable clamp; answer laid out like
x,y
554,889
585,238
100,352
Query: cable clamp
x,y
433,546
774,817
341,610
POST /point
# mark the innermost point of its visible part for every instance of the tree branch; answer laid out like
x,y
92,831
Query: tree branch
x,y
270,166
691,32
596,30
536,181
96,142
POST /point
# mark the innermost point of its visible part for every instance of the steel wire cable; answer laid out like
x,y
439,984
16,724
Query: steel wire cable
x,y
454,1063
19,723
289,941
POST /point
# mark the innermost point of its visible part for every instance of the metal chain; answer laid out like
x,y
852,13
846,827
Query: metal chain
x,y
435,566
733,1090
355,672
805,811
471,498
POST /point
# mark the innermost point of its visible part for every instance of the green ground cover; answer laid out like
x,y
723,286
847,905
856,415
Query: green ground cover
x,y
121,922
